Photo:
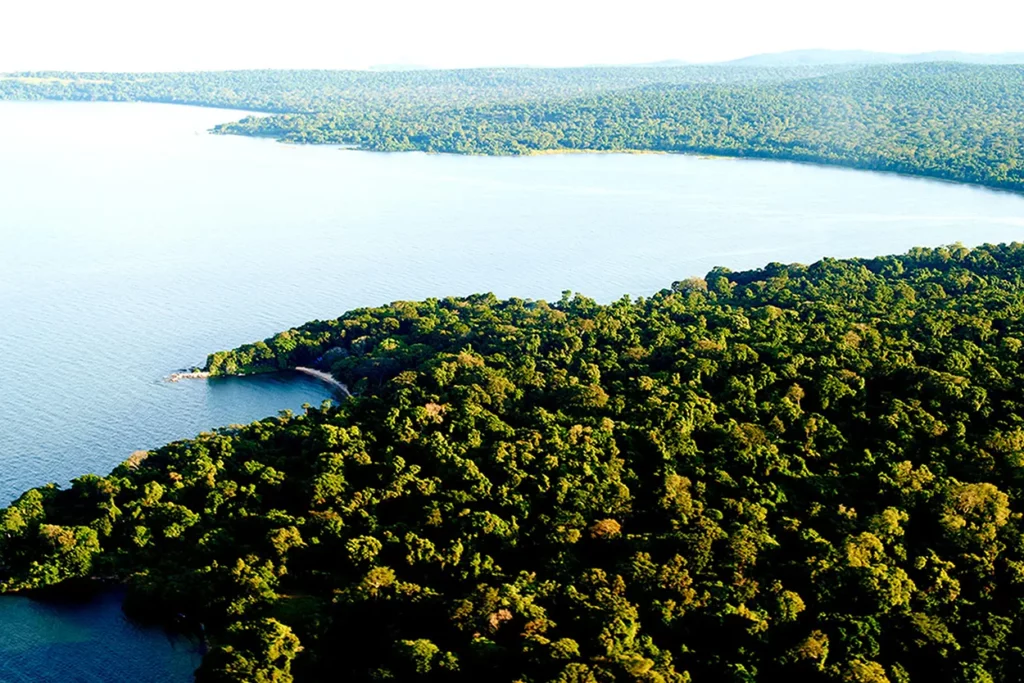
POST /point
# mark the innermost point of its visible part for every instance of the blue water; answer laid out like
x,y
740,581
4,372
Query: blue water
x,y
132,244
89,642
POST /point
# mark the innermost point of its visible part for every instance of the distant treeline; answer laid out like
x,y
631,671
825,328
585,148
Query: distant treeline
x,y
950,121
318,91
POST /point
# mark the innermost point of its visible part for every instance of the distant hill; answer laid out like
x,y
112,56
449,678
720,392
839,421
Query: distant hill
x,y
969,57
826,57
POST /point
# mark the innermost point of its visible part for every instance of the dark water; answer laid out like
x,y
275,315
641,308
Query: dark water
x,y
132,243
88,642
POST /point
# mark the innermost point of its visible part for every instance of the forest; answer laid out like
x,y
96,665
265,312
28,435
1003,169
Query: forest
x,y
802,472
318,91
950,121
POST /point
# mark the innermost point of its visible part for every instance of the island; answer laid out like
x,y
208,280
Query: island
x,y
805,473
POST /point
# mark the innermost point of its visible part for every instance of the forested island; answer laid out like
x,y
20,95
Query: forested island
x,y
952,121
808,473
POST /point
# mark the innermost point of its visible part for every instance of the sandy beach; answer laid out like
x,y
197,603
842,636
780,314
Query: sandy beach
x,y
326,377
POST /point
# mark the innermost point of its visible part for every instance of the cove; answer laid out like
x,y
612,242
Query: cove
x,y
134,243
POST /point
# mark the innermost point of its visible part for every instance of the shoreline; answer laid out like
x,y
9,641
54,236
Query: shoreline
x,y
326,377
188,374
738,155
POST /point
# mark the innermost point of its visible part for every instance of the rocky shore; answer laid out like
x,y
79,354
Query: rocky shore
x,y
187,374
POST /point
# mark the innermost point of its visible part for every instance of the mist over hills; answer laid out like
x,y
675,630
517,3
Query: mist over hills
x,y
781,60
828,57
790,58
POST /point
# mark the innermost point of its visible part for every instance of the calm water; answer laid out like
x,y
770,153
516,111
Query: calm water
x,y
88,643
132,243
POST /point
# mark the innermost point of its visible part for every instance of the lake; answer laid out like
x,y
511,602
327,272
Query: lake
x,y
133,243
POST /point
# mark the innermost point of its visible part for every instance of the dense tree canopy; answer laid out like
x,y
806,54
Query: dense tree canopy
x,y
952,121
804,473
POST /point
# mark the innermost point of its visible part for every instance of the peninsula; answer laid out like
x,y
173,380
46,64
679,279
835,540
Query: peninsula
x,y
804,473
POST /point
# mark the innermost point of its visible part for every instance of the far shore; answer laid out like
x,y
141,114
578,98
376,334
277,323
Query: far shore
x,y
572,150
700,154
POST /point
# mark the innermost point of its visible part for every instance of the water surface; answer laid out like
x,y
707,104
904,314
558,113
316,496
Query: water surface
x,y
88,642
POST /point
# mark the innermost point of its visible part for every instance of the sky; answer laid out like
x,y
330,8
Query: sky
x,y
128,35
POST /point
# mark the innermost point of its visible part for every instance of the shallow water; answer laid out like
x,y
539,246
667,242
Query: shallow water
x,y
132,243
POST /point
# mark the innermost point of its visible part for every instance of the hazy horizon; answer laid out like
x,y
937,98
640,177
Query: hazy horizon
x,y
410,66
115,35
